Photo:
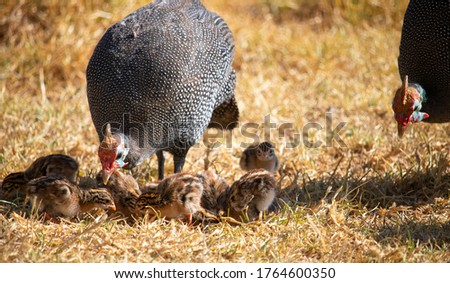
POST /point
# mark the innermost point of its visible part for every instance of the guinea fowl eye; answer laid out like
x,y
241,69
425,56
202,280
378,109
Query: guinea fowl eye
x,y
119,155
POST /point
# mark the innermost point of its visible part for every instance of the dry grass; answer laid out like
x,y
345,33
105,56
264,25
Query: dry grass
x,y
378,199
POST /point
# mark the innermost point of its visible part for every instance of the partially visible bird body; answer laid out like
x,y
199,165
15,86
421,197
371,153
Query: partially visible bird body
x,y
53,165
251,195
96,198
213,187
124,189
259,156
59,197
425,59
14,185
160,77
175,196
148,187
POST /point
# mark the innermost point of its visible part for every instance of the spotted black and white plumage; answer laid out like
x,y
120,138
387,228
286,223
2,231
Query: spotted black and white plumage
x,y
425,55
161,76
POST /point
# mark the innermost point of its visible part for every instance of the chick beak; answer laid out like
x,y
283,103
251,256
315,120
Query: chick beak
x,y
106,174
112,207
401,129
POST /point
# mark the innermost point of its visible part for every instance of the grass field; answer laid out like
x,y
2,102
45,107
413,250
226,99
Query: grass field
x,y
374,198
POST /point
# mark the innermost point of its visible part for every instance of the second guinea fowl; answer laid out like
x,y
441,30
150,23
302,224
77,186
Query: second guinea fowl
x,y
259,156
249,196
14,185
124,189
424,65
59,197
176,196
157,80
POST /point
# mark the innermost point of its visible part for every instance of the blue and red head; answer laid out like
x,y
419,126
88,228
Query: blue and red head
x,y
112,153
407,104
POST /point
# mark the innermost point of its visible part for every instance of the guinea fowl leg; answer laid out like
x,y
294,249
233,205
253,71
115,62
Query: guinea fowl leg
x,y
160,156
178,160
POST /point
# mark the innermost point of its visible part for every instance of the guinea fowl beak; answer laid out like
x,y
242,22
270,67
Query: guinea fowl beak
x,y
402,122
401,129
106,174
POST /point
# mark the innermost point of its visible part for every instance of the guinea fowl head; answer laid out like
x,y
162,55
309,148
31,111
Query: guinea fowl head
x,y
112,153
407,104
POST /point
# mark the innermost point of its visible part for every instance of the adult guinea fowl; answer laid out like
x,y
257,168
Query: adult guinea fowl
x,y
159,78
424,65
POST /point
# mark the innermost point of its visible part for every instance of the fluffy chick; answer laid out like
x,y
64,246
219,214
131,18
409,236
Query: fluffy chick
x,y
15,184
177,195
252,194
259,156
59,197
124,189
213,187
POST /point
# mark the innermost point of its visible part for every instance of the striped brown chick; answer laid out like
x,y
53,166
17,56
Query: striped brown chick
x,y
249,196
124,189
15,184
259,156
213,187
58,197
176,196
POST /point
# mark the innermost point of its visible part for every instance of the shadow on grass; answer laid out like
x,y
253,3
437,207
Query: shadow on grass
x,y
416,186
433,234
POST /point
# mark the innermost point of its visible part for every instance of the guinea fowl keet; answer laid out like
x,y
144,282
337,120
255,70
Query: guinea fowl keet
x,y
249,196
424,65
124,189
157,79
213,187
259,156
176,196
59,197
14,185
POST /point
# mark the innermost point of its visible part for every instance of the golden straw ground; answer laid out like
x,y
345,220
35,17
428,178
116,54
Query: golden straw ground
x,y
377,199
